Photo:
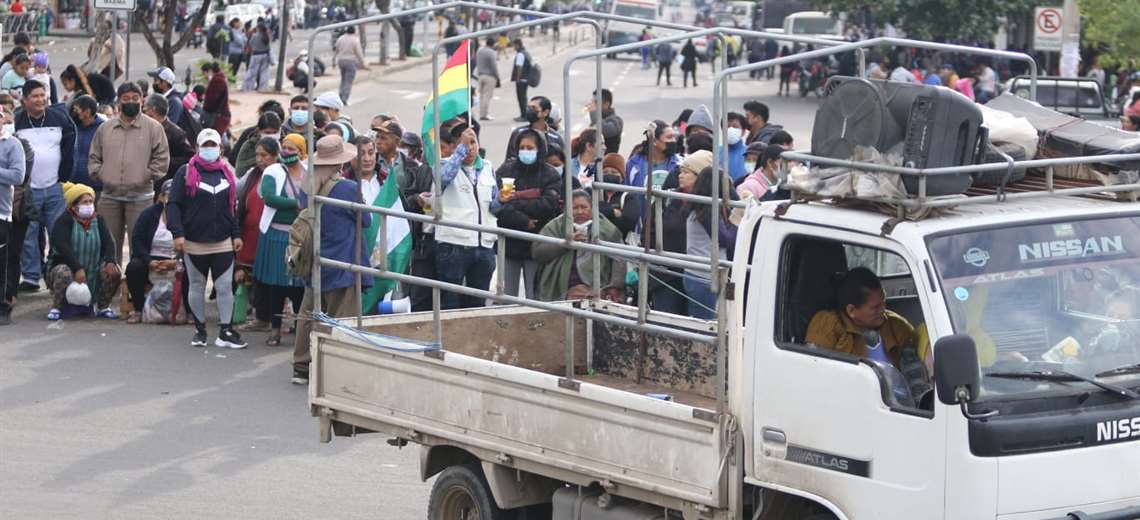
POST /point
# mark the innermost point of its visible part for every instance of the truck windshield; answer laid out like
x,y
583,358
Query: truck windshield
x,y
1046,297
821,25
636,11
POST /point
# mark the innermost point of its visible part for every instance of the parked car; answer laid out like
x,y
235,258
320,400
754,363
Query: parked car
x,y
1078,97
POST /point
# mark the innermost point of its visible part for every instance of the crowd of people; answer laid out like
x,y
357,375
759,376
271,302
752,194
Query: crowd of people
x,y
148,185
146,189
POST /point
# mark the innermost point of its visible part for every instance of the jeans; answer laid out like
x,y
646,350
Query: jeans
x,y
257,74
700,294
347,76
463,265
644,58
50,203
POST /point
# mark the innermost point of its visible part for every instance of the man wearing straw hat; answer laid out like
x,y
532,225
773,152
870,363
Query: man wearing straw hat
x,y
338,238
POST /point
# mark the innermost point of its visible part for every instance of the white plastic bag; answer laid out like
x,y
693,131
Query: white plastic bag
x,y
1008,128
78,294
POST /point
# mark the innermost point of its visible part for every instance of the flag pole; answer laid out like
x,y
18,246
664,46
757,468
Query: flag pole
x,y
467,47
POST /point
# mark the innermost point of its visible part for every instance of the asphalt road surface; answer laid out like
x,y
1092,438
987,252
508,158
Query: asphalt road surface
x,y
99,419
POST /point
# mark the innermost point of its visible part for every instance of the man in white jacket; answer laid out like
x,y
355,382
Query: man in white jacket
x,y
470,193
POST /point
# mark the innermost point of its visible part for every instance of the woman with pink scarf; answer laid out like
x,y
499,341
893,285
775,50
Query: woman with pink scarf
x,y
200,214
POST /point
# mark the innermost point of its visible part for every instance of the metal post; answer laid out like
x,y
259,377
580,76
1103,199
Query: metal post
x,y
127,65
356,245
569,347
114,44
286,29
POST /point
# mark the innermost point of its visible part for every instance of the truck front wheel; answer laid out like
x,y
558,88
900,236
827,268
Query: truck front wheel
x,y
461,493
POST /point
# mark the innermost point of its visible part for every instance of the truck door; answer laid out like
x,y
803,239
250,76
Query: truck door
x,y
828,424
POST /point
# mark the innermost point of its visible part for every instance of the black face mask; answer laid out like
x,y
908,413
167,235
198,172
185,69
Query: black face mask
x,y
130,109
671,148
531,115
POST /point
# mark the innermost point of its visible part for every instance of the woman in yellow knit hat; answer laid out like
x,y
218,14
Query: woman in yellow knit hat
x,y
82,252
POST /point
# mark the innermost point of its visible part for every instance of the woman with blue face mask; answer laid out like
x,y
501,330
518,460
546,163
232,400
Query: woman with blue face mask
x,y
201,216
534,202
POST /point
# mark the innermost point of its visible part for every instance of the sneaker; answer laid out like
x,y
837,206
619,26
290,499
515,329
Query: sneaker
x,y
54,315
229,338
300,377
487,118
29,286
200,339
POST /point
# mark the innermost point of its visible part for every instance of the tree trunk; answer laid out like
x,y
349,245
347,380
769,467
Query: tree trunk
x,y
164,52
403,54
384,44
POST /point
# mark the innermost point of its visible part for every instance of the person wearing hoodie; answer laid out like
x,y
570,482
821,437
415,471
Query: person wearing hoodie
x,y
735,138
298,115
537,114
760,130
201,217
700,121
536,200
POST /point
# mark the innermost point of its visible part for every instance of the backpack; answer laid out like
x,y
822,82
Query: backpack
x,y
299,252
534,76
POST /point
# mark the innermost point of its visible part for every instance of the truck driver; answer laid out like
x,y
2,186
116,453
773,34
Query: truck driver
x,y
860,324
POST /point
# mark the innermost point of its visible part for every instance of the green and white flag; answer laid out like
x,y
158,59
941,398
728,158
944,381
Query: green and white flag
x,y
399,236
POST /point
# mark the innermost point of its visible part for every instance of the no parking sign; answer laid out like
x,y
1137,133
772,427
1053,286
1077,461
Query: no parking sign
x,y
1047,22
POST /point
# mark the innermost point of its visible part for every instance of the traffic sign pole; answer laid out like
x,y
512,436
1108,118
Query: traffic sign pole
x,y
116,6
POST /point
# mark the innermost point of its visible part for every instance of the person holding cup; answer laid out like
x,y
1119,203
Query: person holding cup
x,y
530,194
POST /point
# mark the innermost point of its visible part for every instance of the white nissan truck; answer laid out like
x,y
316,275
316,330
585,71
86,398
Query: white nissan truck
x,y
1028,306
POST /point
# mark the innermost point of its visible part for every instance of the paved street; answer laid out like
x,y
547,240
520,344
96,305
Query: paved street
x,y
99,419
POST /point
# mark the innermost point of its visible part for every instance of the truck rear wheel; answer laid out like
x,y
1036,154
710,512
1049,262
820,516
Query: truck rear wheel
x,y
461,493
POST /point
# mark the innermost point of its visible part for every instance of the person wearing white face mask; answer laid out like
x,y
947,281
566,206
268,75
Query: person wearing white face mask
x,y
83,252
533,202
735,138
201,216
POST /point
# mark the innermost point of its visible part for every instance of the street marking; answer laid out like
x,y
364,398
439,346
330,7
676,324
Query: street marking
x,y
412,95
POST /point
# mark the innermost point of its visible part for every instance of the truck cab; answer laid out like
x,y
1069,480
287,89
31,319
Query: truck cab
x,y
1040,288
1077,97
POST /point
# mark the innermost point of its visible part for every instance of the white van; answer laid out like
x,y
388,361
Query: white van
x,y
621,33
816,24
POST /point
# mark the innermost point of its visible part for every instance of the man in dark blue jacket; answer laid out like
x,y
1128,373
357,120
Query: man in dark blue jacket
x,y
51,134
85,114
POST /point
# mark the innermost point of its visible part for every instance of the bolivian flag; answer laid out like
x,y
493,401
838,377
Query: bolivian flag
x,y
454,93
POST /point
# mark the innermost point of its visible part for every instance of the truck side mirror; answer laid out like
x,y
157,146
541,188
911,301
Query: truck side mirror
x,y
956,375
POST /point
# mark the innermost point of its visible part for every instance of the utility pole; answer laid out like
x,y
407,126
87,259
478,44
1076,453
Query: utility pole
x,y
286,29
1070,39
